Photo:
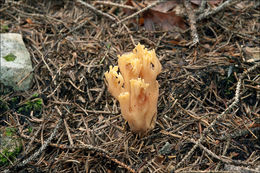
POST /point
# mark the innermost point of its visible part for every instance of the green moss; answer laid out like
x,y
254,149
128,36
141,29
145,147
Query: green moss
x,y
10,146
14,99
9,131
226,87
3,105
30,129
4,28
35,95
31,105
108,45
7,155
13,102
10,57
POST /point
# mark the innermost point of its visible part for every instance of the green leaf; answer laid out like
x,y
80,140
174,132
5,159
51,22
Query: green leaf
x,y
30,129
9,131
10,57
4,28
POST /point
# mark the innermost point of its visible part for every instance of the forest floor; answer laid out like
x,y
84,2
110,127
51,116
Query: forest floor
x,y
209,103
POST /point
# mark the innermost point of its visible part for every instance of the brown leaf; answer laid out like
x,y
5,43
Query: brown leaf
x,y
133,4
28,20
196,2
150,18
166,21
159,159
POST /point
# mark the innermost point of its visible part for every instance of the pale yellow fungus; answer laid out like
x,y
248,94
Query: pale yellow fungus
x,y
136,88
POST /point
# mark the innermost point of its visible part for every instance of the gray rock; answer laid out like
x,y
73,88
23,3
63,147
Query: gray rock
x,y
15,62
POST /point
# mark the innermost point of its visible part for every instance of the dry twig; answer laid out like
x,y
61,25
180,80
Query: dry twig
x,y
140,11
95,10
192,21
115,4
202,6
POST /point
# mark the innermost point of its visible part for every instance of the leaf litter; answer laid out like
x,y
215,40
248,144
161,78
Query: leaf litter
x,y
196,85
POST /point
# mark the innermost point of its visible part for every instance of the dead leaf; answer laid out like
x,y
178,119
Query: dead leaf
x,y
217,142
81,99
244,5
129,11
216,2
29,21
233,154
100,119
178,41
166,6
196,2
160,16
167,21
159,159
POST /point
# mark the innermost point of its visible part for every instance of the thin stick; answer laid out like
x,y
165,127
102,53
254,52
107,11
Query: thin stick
x,y
159,41
129,33
192,21
140,11
68,132
223,154
131,37
202,6
95,10
115,4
